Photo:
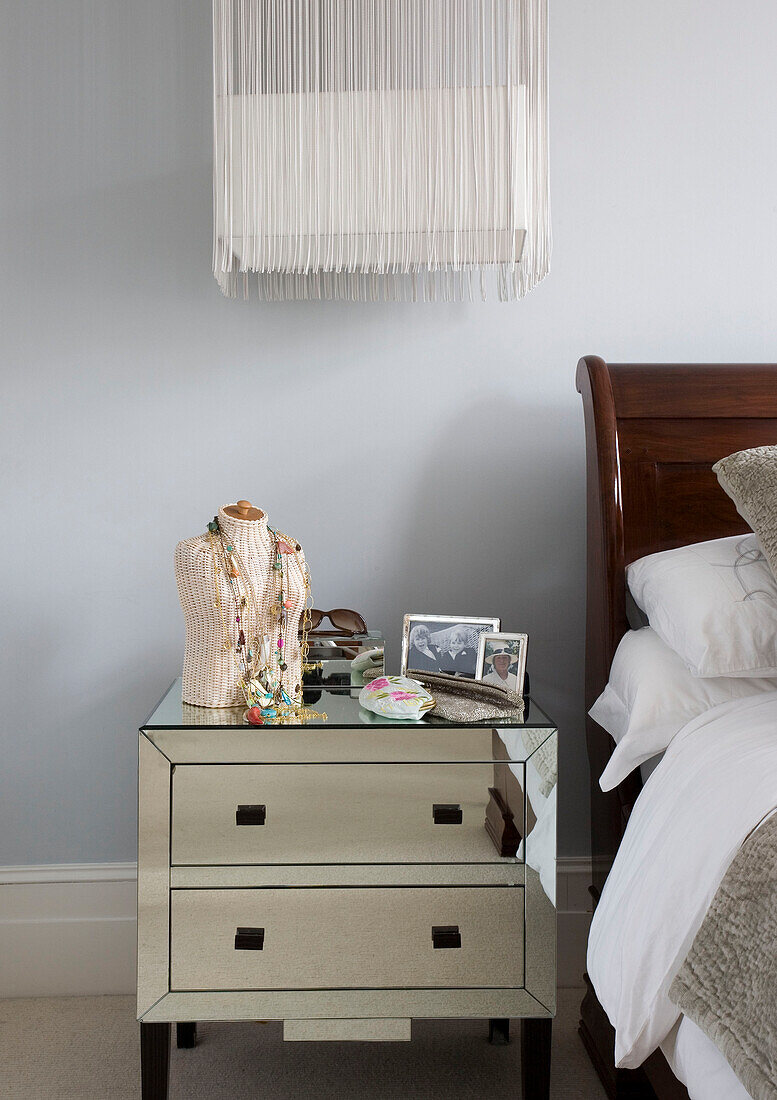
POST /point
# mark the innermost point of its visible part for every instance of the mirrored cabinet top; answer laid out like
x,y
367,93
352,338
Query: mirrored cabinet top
x,y
331,706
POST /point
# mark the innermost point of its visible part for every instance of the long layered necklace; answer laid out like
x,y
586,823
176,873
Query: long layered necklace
x,y
256,632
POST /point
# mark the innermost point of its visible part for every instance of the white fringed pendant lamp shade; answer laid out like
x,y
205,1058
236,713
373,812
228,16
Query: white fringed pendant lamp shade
x,y
380,149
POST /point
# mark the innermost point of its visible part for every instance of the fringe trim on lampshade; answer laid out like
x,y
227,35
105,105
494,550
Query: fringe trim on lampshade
x,y
380,150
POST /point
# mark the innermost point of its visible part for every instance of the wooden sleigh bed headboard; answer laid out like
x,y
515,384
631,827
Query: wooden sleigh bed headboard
x,y
652,435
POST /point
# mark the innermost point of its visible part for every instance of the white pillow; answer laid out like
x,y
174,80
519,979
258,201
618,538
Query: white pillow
x,y
650,697
713,603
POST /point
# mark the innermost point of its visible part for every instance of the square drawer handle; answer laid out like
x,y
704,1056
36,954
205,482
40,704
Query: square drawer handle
x,y
251,815
445,935
446,813
249,939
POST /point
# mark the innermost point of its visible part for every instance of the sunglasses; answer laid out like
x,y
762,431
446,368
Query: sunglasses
x,y
342,618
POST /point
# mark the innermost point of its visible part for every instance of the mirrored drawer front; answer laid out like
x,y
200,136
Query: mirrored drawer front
x,y
339,938
336,813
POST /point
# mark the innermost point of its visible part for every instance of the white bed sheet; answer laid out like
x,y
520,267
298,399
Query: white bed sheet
x,y
696,1061
716,782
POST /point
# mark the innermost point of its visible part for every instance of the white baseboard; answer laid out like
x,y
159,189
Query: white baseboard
x,y
68,930
574,907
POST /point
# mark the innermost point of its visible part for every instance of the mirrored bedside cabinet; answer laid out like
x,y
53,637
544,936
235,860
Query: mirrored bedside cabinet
x,y
345,876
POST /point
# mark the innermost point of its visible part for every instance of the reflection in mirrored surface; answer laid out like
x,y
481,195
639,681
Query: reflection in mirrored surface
x,y
541,772
339,648
211,716
336,813
337,662
341,705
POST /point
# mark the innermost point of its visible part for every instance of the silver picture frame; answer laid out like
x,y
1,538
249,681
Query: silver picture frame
x,y
489,645
471,623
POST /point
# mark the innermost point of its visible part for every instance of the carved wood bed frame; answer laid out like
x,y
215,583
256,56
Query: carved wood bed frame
x,y
652,435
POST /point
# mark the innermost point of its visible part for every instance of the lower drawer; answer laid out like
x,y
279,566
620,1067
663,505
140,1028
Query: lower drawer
x,y
345,937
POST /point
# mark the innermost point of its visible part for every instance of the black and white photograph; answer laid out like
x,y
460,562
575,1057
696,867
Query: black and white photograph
x,y
502,660
443,643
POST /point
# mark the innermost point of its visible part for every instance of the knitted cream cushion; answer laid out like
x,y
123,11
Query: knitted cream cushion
x,y
750,479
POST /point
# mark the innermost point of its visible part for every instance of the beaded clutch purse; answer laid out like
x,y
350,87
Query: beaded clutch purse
x,y
461,700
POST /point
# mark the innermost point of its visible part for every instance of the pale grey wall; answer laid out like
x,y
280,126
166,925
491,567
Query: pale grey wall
x,y
428,457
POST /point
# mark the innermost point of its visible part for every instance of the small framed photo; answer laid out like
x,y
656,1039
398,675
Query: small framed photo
x,y
443,643
502,660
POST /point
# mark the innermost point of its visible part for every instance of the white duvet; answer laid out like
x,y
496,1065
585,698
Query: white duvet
x,y
716,782
696,1061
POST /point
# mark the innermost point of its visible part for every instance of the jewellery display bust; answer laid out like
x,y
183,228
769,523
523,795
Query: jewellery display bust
x,y
346,874
211,675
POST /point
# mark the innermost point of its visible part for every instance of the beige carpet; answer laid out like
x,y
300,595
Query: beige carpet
x,y
86,1048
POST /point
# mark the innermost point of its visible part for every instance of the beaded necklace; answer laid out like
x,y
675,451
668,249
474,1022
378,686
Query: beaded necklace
x,y
256,633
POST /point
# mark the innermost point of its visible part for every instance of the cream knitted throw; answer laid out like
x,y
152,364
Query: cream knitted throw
x,y
210,675
728,982
750,479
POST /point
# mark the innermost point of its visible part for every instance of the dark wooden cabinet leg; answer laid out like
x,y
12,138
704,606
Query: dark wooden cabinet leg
x,y
185,1036
154,1060
535,1058
499,1032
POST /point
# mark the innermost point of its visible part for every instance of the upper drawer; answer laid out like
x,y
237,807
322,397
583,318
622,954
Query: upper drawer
x,y
336,813
347,938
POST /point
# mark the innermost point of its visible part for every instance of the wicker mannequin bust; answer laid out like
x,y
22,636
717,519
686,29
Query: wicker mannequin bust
x,y
210,675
